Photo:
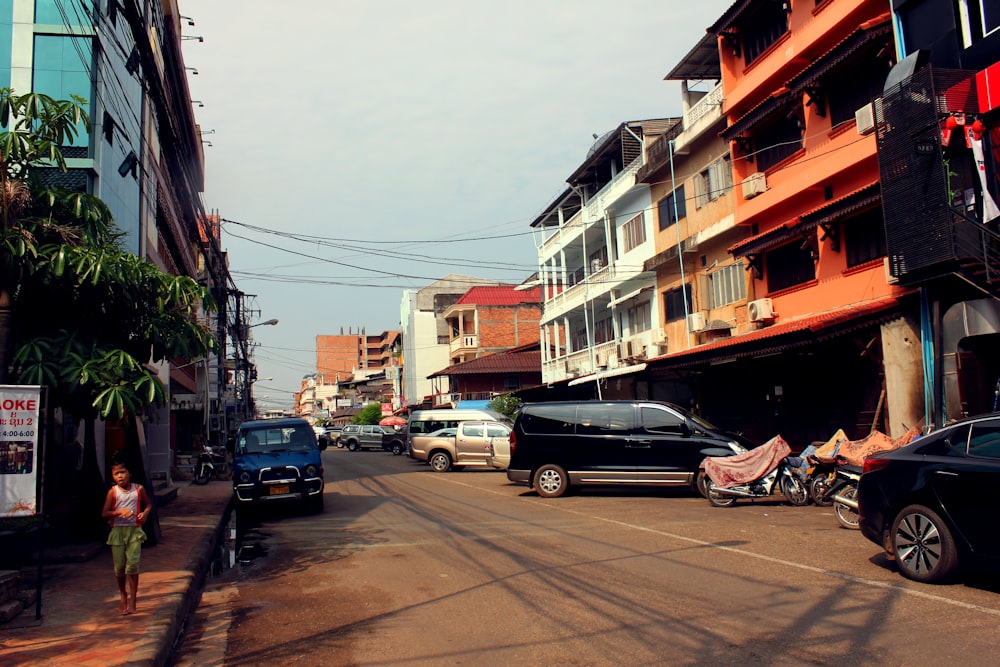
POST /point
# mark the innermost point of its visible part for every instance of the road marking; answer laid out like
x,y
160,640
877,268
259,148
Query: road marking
x,y
770,559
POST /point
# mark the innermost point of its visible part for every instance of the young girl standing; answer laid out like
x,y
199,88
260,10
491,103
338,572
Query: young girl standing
x,y
126,506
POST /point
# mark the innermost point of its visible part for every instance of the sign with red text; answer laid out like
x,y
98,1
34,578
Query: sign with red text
x,y
19,431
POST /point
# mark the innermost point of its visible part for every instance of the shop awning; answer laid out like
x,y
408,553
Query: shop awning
x,y
610,373
783,336
841,207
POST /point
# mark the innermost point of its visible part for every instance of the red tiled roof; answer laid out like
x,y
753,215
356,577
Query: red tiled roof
x,y
499,295
511,362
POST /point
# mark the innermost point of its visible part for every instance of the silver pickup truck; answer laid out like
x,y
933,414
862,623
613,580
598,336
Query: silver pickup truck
x,y
471,445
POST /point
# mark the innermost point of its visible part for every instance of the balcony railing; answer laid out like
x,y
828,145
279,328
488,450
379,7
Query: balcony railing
x,y
464,342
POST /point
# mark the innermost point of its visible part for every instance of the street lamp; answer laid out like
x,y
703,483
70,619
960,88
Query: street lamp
x,y
270,322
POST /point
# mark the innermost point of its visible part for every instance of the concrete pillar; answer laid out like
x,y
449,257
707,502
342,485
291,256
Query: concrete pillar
x,y
904,376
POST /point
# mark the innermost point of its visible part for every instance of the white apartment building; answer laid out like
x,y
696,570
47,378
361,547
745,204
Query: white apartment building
x,y
593,241
426,334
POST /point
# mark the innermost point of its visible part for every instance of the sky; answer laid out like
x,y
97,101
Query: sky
x,y
358,149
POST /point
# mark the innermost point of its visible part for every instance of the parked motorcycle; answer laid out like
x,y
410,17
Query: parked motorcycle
x,y
844,495
211,464
756,474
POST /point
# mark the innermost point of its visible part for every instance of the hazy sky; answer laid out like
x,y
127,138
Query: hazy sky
x,y
353,145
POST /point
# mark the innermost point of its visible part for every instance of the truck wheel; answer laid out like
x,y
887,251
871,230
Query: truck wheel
x,y
397,448
353,445
551,481
440,462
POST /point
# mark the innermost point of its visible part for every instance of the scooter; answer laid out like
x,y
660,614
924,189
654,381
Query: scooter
x,y
781,472
211,465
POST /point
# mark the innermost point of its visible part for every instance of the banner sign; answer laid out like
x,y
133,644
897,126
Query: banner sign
x,y
19,431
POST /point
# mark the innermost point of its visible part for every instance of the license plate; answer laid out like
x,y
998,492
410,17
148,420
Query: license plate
x,y
278,490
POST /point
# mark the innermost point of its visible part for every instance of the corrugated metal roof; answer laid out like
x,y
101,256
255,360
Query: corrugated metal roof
x,y
499,295
516,362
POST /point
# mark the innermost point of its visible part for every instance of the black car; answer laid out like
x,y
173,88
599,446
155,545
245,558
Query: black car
x,y
932,505
559,445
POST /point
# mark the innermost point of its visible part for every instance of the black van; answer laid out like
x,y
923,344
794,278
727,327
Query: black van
x,y
555,446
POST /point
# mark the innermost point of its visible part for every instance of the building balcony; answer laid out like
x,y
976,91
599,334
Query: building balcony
x,y
464,343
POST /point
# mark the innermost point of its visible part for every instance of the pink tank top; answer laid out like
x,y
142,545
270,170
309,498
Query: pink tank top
x,y
126,500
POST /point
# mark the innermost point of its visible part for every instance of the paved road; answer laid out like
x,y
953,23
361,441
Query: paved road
x,y
410,567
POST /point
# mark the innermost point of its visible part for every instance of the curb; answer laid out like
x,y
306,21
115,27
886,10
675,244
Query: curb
x,y
163,634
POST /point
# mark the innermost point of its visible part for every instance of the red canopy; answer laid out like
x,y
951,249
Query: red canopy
x,y
392,420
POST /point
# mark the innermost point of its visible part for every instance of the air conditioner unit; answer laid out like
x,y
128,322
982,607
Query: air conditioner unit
x,y
889,278
659,336
760,310
696,321
754,184
865,119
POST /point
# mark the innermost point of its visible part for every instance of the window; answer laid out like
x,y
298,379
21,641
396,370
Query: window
x,y
985,439
727,285
639,318
979,18
512,383
714,181
473,430
549,419
864,237
776,142
603,331
673,303
598,259
789,265
855,88
62,67
655,420
634,232
598,419
497,431
665,209
762,29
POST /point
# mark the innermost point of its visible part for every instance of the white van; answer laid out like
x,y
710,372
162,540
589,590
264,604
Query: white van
x,y
422,445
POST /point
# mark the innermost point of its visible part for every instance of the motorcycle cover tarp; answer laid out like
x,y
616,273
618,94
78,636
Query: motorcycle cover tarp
x,y
827,452
853,452
730,471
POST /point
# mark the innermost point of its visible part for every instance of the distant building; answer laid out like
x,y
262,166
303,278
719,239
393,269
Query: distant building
x,y
426,335
484,378
490,319
339,356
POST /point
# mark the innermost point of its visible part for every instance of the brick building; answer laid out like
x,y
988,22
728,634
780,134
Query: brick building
x,y
492,318
339,356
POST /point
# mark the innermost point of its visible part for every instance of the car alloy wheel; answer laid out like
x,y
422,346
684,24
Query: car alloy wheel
x,y
924,548
551,481
440,462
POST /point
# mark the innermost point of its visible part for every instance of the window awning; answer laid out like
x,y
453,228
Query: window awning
x,y
830,60
836,209
772,238
774,102
610,373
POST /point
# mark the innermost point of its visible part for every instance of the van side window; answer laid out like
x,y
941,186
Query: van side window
x,y
549,419
473,430
660,421
597,419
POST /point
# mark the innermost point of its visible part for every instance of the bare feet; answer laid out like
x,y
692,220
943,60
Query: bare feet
x,y
123,605
131,607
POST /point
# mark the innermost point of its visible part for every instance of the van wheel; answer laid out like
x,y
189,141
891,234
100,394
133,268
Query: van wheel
x,y
440,462
551,481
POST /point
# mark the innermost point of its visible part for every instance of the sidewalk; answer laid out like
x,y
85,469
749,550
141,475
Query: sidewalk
x,y
80,623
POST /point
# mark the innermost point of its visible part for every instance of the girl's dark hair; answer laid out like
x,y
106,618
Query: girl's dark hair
x,y
118,459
